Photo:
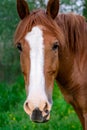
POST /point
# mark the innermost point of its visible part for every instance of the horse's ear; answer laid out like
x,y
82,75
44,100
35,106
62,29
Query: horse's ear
x,y
53,8
22,8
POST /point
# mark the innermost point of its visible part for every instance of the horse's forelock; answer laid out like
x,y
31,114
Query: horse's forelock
x,y
38,17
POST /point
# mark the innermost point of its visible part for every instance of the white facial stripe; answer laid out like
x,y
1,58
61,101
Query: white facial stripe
x,y
37,80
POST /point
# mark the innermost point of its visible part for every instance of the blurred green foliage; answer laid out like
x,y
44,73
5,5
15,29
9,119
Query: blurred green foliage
x,y
9,58
85,9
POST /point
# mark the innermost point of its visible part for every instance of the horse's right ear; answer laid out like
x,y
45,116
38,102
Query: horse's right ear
x,y
22,8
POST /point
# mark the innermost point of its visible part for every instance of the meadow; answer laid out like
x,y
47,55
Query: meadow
x,y
12,91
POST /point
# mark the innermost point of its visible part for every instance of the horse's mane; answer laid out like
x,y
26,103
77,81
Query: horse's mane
x,y
74,28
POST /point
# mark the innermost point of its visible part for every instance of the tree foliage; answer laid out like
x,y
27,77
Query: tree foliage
x,y
85,9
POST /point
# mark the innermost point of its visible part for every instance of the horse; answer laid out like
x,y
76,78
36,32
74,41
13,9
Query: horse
x,y
52,47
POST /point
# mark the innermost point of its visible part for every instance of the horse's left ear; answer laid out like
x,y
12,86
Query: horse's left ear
x,y
53,8
22,8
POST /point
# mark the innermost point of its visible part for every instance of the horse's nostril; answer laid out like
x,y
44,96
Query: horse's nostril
x,y
26,107
46,108
47,111
26,104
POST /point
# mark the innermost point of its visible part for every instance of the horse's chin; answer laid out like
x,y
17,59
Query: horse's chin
x,y
45,121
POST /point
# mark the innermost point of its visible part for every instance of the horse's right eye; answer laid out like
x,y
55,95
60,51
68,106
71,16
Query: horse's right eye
x,y
19,47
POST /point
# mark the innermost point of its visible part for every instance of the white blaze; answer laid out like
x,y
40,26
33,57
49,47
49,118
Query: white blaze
x,y
36,77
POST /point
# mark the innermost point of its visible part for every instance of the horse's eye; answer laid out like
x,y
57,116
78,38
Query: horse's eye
x,y
19,46
55,46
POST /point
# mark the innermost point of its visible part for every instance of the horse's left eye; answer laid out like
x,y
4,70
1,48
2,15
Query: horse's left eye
x,y
55,46
19,46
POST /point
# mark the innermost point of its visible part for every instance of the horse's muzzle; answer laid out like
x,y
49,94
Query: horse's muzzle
x,y
38,117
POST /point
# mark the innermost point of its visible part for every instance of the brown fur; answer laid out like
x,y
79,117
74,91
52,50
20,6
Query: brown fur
x,y
71,32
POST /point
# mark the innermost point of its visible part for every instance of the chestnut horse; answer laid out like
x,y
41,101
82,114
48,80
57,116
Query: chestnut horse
x,y
52,47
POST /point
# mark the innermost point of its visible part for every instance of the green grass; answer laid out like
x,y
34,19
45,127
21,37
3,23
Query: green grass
x,y
13,117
